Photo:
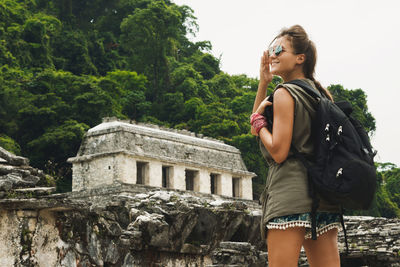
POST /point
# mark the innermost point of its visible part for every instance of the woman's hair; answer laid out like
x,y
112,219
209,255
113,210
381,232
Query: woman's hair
x,y
302,45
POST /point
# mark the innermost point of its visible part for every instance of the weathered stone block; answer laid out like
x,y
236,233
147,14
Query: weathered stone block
x,y
12,159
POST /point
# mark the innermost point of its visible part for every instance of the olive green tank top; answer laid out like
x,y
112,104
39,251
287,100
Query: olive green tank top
x,y
286,189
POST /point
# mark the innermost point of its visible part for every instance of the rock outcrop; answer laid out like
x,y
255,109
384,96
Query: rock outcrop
x,y
128,226
138,225
16,176
372,241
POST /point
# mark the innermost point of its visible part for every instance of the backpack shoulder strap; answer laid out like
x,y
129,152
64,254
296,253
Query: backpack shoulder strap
x,y
307,87
311,188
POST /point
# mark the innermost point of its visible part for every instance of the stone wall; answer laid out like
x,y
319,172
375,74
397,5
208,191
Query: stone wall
x,y
126,226
145,226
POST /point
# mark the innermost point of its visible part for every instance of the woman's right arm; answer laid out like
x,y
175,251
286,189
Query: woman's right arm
x,y
265,79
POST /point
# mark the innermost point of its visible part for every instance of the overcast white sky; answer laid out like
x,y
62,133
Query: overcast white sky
x,y
358,44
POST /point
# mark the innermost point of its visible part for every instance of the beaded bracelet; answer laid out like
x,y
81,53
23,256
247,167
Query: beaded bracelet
x,y
258,121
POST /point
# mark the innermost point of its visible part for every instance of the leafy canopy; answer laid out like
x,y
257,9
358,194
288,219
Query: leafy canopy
x,y
66,64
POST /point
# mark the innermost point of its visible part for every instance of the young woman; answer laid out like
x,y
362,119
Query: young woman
x,y
286,205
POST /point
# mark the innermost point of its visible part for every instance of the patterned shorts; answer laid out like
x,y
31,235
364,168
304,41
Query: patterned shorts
x,y
325,222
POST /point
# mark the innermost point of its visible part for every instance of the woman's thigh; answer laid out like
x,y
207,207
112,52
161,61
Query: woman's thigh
x,y
284,246
323,252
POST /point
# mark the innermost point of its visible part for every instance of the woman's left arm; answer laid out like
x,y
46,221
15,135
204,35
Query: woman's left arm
x,y
278,143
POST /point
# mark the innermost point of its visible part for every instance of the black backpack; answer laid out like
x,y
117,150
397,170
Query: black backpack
x,y
342,170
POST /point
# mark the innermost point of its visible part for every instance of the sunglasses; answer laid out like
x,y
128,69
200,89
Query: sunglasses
x,y
278,50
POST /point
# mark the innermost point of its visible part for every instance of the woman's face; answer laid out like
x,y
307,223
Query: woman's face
x,y
284,63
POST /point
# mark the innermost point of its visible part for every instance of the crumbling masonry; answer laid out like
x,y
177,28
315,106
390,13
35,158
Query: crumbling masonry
x,y
122,152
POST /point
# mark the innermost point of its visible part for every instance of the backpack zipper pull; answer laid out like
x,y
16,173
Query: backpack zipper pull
x,y
339,172
340,130
327,133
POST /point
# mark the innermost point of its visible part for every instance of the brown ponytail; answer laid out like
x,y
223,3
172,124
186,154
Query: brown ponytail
x,y
320,88
303,45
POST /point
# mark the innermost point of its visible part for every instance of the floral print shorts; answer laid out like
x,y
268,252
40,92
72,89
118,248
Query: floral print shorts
x,y
325,222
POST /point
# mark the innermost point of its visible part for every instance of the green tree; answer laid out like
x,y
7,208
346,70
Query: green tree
x,y
149,36
216,120
206,64
358,100
186,80
386,207
223,87
127,90
10,91
170,108
192,108
71,53
392,182
37,32
49,100
243,103
9,144
58,143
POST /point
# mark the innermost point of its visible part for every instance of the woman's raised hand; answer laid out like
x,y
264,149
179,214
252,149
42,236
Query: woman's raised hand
x,y
263,105
265,74
260,111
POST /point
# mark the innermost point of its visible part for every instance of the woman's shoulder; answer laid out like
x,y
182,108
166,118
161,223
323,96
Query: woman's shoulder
x,y
294,88
298,93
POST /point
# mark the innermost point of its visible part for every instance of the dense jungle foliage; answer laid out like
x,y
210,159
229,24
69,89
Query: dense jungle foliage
x,y
65,64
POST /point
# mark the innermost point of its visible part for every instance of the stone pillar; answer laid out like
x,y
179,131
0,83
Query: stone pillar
x,y
217,183
247,190
204,182
155,174
196,181
226,184
77,176
178,178
168,171
125,169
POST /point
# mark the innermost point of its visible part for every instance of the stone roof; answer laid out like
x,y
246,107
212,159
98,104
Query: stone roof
x,y
167,145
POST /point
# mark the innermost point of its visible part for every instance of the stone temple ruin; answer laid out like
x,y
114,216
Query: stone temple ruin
x,y
121,152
